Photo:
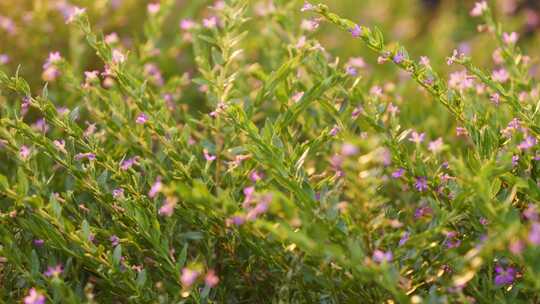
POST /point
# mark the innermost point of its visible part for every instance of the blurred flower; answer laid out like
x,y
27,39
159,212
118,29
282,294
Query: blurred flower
x,y
398,173
416,137
500,75
479,8
211,22
404,238
436,145
515,160
4,59
211,279
39,242
156,188
118,57
34,297
118,193
356,31
186,24
529,142
141,119
511,38
88,156
307,7
167,209
348,149
153,8
74,14
421,184
188,277
534,234
504,276
60,145
380,256
209,157
128,163
24,152
399,57
54,271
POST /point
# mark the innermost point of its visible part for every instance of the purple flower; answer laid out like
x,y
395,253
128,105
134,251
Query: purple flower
x,y
452,241
531,213
39,242
114,240
421,184
89,156
404,238
380,256
54,271
398,173
356,31
399,57
335,130
515,160
504,276
422,211
128,163
34,297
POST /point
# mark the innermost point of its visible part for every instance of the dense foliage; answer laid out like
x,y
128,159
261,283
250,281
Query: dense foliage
x,y
225,154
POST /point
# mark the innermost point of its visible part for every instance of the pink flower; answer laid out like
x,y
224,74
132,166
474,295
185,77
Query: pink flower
x,y
211,279
60,145
416,137
187,24
479,8
34,297
511,38
534,234
456,55
167,209
461,80
118,57
348,149
111,38
54,271
461,131
141,119
4,59
436,145
380,256
495,98
24,152
153,8
74,14
209,157
255,176
211,22
500,75
156,188
188,277
307,7
528,143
